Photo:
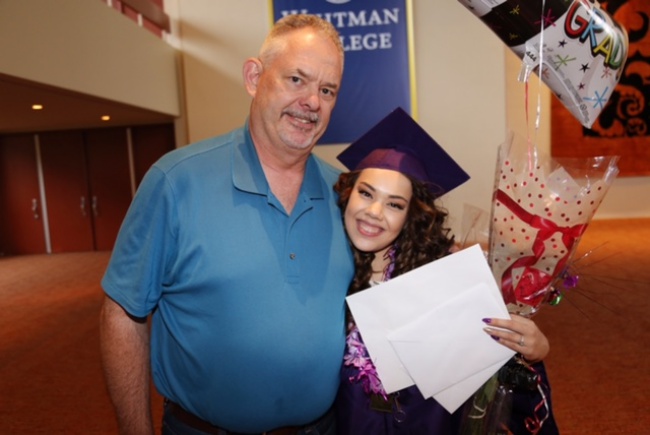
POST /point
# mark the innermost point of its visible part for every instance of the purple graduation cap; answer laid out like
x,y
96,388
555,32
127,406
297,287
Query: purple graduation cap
x,y
398,143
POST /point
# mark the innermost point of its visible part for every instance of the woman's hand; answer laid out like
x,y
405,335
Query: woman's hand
x,y
521,335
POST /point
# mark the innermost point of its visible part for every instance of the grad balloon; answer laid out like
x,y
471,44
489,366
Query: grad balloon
x,y
584,49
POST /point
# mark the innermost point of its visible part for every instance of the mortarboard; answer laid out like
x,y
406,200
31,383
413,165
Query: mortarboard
x,y
398,143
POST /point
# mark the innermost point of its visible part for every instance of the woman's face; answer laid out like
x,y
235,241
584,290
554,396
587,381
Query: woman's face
x,y
377,209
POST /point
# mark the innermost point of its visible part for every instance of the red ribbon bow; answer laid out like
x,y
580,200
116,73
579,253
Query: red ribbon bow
x,y
534,283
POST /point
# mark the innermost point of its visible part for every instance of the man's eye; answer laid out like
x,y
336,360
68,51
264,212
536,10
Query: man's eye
x,y
328,92
295,79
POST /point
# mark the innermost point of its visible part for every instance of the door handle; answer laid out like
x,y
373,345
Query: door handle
x,y
94,206
35,208
83,206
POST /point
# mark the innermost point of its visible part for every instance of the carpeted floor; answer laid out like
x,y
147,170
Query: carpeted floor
x,y
50,373
51,381
599,363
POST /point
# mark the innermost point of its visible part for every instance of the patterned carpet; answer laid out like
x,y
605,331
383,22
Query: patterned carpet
x,y
599,366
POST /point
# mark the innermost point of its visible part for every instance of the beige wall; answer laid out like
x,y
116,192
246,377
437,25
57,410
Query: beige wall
x,y
57,43
215,37
467,90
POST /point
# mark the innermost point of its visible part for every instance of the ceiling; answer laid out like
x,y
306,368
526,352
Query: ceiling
x,y
63,109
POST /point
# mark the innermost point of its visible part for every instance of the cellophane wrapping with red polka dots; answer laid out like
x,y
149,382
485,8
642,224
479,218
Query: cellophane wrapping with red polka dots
x,y
541,207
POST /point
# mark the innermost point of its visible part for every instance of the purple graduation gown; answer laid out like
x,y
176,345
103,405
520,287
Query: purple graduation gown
x,y
416,415
355,414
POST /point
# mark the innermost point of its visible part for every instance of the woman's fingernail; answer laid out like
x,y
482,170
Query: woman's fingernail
x,y
486,320
495,337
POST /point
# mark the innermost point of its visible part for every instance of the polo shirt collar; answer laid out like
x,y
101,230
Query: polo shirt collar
x,y
248,175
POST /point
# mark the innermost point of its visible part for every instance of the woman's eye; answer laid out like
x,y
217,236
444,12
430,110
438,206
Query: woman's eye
x,y
364,193
396,206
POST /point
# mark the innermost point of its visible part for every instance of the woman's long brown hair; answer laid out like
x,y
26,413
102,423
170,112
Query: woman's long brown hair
x,y
423,239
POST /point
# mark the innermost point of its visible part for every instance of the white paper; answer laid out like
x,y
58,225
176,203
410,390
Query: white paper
x,y
406,300
448,345
454,396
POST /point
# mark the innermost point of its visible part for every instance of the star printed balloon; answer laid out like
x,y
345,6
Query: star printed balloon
x,y
575,47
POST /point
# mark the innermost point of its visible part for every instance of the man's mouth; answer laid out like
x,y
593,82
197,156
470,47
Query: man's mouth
x,y
306,119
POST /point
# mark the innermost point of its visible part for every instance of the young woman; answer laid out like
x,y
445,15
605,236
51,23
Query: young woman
x,y
394,226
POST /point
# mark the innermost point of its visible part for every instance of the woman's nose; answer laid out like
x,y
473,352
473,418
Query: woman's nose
x,y
375,209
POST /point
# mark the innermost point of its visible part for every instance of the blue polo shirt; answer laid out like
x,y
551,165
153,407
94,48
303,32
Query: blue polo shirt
x,y
247,301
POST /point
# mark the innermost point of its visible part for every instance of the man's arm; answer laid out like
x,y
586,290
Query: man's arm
x,y
125,356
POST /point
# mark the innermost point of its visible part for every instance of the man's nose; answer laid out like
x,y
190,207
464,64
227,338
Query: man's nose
x,y
311,98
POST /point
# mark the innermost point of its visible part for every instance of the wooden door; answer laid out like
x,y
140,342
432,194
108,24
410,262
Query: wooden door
x,y
21,217
66,189
109,180
150,142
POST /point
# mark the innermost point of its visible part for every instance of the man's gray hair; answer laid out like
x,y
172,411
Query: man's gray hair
x,y
293,22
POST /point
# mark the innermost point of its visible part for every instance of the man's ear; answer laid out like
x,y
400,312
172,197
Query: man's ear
x,y
252,71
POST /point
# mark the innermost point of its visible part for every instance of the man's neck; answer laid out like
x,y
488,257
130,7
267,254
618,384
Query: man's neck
x,y
284,173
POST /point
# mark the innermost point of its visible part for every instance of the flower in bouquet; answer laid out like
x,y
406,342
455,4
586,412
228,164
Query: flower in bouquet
x,y
540,209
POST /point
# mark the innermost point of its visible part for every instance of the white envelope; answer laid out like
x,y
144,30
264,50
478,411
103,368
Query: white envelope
x,y
447,345
453,397
384,309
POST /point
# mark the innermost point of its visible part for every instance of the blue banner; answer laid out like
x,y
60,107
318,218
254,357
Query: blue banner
x,y
378,65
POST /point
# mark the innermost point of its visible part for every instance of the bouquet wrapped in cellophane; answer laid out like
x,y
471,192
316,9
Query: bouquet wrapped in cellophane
x,y
541,207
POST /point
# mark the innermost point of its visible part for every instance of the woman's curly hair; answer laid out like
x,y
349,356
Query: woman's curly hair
x,y
423,239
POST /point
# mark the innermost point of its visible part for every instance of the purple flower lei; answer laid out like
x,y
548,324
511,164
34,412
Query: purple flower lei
x,y
357,356
357,353
390,254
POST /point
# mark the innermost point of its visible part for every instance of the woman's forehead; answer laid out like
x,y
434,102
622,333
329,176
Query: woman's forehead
x,y
386,181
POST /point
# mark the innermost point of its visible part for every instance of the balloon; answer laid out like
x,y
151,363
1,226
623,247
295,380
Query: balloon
x,y
584,49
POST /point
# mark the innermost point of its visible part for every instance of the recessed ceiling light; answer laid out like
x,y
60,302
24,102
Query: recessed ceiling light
x,y
37,106
106,118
